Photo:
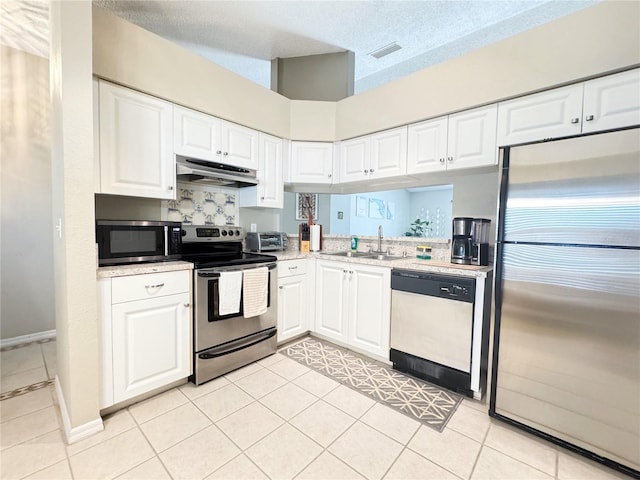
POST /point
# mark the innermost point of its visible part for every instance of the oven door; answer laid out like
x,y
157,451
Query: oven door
x,y
212,329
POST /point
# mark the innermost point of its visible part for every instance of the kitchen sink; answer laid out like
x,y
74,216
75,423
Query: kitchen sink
x,y
349,253
372,256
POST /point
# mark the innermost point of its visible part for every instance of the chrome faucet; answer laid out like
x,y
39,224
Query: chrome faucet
x,y
379,250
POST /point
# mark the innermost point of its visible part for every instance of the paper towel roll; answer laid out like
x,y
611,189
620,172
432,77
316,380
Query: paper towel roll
x,y
315,238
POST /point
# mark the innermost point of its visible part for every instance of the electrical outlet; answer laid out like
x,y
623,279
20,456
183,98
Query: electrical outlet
x,y
59,228
340,215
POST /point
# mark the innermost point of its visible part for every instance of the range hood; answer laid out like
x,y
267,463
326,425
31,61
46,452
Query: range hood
x,y
213,173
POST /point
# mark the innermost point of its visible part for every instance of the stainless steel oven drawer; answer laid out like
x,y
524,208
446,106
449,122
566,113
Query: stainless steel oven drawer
x,y
225,358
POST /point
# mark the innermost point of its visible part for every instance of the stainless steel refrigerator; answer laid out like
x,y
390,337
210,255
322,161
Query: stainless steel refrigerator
x,y
566,359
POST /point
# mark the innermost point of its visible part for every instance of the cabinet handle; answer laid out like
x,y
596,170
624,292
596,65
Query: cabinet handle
x,y
218,152
170,187
450,159
329,175
261,198
371,171
225,153
366,171
293,268
280,287
155,286
186,305
575,120
442,160
588,118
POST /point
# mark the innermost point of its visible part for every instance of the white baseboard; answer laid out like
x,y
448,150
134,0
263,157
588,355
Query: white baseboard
x,y
32,337
76,434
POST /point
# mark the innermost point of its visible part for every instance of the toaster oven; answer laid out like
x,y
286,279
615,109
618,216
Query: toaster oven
x,y
266,241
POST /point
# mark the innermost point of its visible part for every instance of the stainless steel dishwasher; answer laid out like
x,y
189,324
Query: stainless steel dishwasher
x,y
432,319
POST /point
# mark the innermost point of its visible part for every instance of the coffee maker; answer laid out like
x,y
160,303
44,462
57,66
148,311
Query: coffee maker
x,y
461,240
480,241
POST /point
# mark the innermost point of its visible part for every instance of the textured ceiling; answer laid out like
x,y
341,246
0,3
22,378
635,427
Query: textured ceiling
x,y
243,36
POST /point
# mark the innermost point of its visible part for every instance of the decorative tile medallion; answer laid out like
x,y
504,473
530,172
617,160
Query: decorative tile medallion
x,y
417,399
203,205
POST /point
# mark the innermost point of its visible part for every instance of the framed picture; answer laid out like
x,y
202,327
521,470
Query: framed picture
x,y
362,207
304,202
377,208
391,210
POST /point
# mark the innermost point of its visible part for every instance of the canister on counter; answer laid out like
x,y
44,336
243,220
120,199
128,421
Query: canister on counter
x,y
354,244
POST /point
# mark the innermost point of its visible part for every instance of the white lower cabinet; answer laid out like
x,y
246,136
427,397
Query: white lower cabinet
x,y
293,299
145,333
354,305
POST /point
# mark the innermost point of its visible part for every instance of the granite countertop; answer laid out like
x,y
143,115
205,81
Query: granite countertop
x,y
141,268
408,263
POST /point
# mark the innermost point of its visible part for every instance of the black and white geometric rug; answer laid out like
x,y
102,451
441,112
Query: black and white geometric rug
x,y
417,399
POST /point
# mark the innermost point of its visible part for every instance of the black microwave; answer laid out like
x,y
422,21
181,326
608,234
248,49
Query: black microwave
x,y
135,241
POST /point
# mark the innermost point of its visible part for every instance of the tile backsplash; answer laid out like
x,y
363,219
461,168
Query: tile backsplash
x,y
202,205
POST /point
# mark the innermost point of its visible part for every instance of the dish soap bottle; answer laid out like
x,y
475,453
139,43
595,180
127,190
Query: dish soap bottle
x,y
354,244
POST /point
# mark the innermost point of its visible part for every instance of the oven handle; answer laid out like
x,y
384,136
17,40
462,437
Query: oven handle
x,y
215,272
222,350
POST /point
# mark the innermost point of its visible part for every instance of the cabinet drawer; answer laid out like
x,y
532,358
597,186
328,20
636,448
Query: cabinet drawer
x,y
148,285
289,268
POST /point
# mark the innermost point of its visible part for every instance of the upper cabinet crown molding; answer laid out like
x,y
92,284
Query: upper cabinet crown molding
x,y
601,104
136,143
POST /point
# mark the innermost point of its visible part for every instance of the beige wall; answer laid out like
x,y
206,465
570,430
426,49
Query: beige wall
x,y
127,54
325,77
26,244
72,178
313,121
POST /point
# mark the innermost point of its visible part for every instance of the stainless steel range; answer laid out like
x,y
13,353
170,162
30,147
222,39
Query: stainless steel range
x,y
226,281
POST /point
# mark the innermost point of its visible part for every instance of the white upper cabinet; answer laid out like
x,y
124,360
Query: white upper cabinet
x,y
380,155
311,162
427,146
136,143
239,146
206,137
196,134
471,141
545,115
270,190
462,140
602,104
612,102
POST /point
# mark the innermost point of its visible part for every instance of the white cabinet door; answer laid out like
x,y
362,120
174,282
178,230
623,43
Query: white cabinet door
x,y
270,189
355,159
612,102
292,307
369,308
472,138
427,146
553,114
151,344
389,153
239,146
196,135
311,162
331,299
136,144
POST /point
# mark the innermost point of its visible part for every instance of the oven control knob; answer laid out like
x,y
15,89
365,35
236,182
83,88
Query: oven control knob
x,y
224,233
238,232
231,233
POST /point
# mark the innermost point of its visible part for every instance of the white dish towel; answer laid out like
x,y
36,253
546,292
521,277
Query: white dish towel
x,y
254,291
229,289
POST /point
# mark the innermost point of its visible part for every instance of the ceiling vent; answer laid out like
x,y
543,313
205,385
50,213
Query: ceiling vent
x,y
386,50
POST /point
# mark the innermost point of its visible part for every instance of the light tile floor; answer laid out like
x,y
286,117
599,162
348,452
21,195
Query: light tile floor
x,y
275,419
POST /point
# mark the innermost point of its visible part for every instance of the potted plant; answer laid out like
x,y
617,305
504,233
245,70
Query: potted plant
x,y
417,228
